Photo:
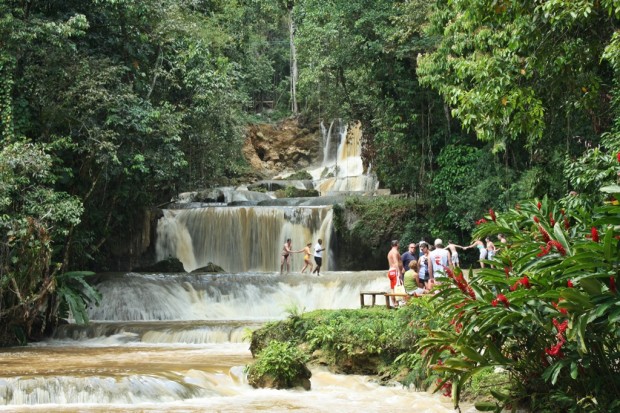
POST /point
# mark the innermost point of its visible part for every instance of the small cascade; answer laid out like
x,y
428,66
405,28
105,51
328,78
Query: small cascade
x,y
257,297
342,168
241,239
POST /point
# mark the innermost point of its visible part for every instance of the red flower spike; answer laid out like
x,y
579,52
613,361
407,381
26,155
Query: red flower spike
x,y
557,246
536,220
502,298
618,156
561,327
563,311
594,233
539,205
555,351
566,224
494,303
525,282
544,233
492,213
569,283
551,220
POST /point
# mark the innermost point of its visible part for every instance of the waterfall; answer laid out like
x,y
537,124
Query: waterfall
x,y
241,239
342,168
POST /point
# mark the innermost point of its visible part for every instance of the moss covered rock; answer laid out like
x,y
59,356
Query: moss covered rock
x,y
280,365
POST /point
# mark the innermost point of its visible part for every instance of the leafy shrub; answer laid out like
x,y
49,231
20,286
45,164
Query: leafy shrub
x,y
292,192
281,363
301,175
546,310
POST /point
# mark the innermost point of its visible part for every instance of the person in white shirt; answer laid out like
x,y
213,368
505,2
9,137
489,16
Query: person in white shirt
x,y
439,258
318,257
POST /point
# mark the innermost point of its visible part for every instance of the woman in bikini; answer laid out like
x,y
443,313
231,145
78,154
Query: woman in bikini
x,y
481,250
307,256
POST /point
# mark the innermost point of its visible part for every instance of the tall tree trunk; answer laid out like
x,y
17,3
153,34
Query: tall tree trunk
x,y
291,27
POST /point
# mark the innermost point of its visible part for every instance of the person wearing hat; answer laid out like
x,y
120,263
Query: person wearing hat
x,y
307,256
440,259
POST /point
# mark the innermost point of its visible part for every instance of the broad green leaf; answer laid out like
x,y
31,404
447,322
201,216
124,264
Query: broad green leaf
x,y
472,354
574,370
486,406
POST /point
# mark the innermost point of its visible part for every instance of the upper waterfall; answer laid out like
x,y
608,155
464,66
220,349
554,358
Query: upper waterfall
x,y
342,168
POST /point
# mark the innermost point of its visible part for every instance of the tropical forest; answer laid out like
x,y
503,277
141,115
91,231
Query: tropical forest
x,y
155,156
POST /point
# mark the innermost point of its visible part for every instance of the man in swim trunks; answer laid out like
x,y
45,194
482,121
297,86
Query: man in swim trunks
x,y
287,250
396,268
455,255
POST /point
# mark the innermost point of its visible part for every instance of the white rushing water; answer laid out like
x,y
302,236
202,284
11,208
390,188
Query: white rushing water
x,y
163,343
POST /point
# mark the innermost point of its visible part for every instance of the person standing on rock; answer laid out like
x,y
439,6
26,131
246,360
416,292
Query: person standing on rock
x,y
318,257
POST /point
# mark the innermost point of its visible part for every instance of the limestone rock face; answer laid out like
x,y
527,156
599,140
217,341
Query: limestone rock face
x,y
287,145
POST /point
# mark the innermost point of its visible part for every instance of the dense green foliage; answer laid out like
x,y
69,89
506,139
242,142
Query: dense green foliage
x,y
108,107
363,341
364,228
281,361
546,311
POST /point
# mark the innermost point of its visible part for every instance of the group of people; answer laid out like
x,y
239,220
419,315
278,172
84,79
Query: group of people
x,y
417,273
287,250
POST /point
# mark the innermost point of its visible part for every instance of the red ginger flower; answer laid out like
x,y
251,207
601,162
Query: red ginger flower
x,y
502,299
569,283
481,221
525,282
566,224
507,271
555,351
539,205
492,213
557,246
561,327
551,220
561,310
544,233
536,220
544,250
594,234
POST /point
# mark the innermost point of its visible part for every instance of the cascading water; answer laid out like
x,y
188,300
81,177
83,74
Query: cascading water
x,y
241,239
342,168
175,342
161,343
